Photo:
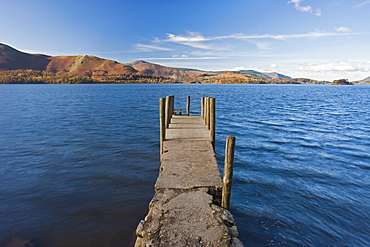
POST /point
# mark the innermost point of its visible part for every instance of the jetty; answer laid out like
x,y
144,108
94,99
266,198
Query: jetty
x,y
191,201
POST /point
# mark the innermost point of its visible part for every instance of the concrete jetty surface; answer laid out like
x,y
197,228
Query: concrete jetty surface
x,y
185,210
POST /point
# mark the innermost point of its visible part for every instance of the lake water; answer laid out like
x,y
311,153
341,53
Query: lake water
x,y
78,163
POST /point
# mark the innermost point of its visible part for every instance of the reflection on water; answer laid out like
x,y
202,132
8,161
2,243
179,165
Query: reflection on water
x,y
79,162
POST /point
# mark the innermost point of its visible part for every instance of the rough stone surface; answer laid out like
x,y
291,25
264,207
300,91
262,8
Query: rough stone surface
x,y
187,128
185,209
184,218
184,166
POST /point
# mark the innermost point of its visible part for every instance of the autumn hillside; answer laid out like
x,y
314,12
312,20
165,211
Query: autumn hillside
x,y
88,66
85,66
12,59
21,67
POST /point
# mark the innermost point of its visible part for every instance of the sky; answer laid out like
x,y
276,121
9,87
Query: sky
x,y
317,39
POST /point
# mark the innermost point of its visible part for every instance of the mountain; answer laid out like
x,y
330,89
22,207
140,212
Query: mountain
x,y
89,66
12,59
274,75
268,75
364,81
168,72
157,70
99,68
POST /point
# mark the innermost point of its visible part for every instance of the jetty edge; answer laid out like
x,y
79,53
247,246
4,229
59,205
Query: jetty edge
x,y
190,206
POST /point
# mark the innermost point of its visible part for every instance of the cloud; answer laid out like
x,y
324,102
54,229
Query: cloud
x,y
143,47
361,4
178,56
238,68
343,29
297,5
318,12
337,66
198,41
263,45
190,37
184,57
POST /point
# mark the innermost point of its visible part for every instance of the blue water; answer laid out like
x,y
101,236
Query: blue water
x,y
78,163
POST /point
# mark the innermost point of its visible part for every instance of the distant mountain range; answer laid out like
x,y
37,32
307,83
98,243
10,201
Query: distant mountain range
x,y
364,81
98,68
13,59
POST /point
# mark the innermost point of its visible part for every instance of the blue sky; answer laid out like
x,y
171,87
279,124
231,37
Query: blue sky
x,y
318,39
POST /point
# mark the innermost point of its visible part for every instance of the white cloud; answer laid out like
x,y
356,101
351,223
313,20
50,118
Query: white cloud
x,y
190,37
198,41
273,65
238,68
263,45
143,47
184,57
297,5
361,4
329,71
337,66
343,29
318,12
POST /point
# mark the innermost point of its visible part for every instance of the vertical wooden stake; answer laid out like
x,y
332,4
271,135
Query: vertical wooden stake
x,y
206,119
162,121
172,106
203,108
208,112
212,121
228,171
188,106
168,110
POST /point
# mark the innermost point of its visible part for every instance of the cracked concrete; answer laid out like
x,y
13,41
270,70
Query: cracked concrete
x,y
185,209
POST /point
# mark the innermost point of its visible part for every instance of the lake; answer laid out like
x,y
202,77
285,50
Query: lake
x,y
78,163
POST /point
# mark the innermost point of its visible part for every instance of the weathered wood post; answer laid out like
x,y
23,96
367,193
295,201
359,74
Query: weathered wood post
x,y
228,171
203,106
188,106
207,113
168,110
172,106
212,121
162,122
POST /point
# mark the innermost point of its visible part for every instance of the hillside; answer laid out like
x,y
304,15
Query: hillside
x,y
167,72
12,59
256,74
89,66
65,69
364,81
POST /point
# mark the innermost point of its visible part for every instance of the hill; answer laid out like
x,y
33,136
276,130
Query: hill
x,y
256,74
12,59
167,72
64,69
89,66
364,81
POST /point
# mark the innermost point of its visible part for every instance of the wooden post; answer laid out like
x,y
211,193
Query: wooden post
x,y
168,110
206,113
203,108
212,121
172,106
188,106
228,171
162,121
